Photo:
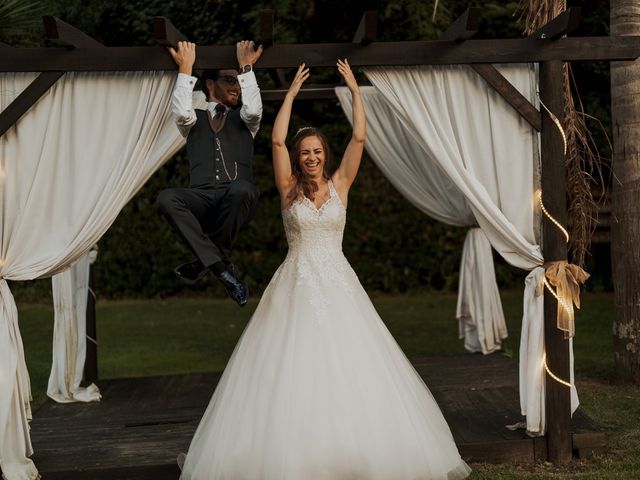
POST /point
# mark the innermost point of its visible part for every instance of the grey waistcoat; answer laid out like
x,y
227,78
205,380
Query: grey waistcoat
x,y
209,153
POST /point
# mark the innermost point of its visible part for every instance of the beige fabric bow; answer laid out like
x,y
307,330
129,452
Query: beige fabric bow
x,y
566,278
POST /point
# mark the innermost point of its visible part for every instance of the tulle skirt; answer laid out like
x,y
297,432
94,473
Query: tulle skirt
x,y
318,389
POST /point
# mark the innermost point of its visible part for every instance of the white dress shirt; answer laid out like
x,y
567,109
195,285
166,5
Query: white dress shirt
x,y
185,115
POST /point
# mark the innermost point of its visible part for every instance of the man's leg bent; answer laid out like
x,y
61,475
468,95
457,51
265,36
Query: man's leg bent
x,y
185,209
235,210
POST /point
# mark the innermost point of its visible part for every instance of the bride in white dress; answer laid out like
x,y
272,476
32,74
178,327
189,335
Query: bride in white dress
x,y
317,388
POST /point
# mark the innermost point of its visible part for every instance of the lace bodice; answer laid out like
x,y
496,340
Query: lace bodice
x,y
315,257
315,232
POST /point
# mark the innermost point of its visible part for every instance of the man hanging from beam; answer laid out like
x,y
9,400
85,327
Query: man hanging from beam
x,y
221,197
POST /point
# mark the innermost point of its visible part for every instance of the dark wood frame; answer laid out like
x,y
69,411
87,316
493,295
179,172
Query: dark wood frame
x,y
549,46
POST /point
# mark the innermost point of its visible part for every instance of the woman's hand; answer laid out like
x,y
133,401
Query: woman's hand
x,y
301,75
347,74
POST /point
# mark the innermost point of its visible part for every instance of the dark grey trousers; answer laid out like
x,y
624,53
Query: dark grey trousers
x,y
209,219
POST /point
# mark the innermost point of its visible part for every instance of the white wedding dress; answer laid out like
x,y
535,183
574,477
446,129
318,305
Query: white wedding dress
x,y
317,388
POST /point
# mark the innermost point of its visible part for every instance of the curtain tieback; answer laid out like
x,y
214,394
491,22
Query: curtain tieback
x,y
566,278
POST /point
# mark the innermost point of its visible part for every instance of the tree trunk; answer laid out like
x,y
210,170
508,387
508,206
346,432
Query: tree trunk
x,y
625,225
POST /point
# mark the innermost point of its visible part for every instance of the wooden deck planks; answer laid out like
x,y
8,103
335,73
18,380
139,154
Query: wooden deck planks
x,y
142,424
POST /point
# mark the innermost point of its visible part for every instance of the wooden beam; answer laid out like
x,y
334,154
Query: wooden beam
x,y
367,29
554,247
308,93
165,33
464,27
510,93
266,28
67,35
325,54
563,24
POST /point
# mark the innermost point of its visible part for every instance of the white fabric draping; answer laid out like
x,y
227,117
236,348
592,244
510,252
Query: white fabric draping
x,y
485,149
479,312
532,373
452,114
425,185
70,294
66,170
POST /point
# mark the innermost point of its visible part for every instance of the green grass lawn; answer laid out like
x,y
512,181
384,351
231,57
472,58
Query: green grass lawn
x,y
140,338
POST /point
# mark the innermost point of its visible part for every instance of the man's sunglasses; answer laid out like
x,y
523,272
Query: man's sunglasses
x,y
229,80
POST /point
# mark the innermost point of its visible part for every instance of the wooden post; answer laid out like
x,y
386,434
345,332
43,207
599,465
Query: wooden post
x,y
554,247
266,28
91,358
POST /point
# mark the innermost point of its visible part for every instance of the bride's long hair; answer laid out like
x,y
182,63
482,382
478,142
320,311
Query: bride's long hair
x,y
305,185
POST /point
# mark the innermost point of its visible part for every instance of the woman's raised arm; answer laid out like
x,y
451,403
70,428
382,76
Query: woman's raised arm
x,y
281,161
348,169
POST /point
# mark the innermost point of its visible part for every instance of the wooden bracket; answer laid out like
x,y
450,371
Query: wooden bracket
x,y
165,33
367,29
563,24
277,75
23,102
67,35
463,28
510,93
62,34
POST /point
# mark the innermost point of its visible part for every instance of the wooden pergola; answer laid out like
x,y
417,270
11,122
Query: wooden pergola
x,y
549,46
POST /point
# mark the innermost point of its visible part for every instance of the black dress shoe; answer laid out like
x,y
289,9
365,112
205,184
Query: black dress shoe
x,y
191,272
236,288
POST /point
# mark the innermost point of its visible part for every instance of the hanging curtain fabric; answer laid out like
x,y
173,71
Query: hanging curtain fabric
x,y
485,149
70,290
479,311
67,169
427,187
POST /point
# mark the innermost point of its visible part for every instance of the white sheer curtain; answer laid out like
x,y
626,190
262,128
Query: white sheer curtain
x,y
427,187
485,149
452,114
70,293
479,311
66,170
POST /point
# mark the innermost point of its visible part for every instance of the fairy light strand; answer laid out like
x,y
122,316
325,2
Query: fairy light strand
x,y
553,375
551,218
557,123
567,306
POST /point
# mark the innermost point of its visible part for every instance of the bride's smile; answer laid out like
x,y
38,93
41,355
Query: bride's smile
x,y
312,156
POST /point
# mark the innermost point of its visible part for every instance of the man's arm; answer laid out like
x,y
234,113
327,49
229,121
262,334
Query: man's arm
x,y
251,111
181,100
